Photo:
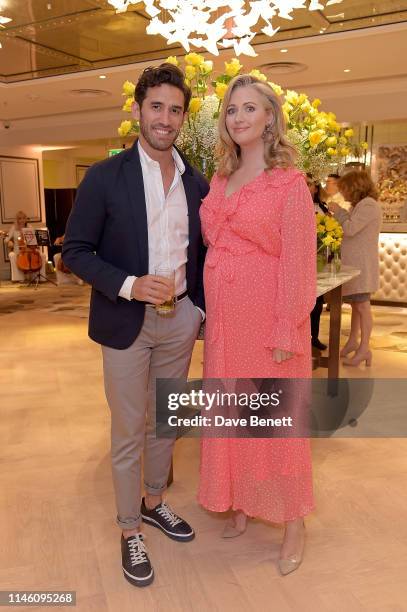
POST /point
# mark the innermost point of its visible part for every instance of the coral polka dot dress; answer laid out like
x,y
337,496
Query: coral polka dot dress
x,y
260,281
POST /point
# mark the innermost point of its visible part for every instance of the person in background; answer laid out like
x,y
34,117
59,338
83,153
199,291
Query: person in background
x,y
14,240
320,207
332,193
360,249
63,274
315,189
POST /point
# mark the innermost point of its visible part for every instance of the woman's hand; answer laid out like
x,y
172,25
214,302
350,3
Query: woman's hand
x,y
279,355
333,207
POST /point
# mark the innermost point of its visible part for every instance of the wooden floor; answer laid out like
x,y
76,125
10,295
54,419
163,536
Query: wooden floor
x,y
57,507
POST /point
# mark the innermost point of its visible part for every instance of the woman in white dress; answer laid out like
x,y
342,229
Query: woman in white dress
x,y
13,241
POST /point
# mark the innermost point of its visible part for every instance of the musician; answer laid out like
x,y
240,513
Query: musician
x,y
14,240
63,274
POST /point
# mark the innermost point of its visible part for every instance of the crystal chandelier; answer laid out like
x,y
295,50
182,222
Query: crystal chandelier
x,y
209,24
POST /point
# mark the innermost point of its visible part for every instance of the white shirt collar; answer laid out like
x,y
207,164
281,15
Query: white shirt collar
x,y
147,161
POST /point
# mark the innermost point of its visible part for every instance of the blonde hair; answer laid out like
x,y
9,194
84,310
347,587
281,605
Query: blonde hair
x,y
278,151
21,213
357,185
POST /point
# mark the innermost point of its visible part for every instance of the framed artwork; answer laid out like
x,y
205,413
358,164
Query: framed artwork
x,y
389,170
80,173
19,188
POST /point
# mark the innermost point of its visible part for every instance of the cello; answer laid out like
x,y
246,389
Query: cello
x,y
29,257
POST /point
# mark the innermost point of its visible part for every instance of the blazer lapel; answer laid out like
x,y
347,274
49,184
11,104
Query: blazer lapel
x,y
193,203
135,187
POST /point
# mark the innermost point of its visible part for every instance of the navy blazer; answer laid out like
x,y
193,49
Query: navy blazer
x,y
106,240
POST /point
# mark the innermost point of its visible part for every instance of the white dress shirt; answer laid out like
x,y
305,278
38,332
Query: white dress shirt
x,y
167,222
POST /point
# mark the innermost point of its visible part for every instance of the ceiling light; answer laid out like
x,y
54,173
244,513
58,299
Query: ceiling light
x,y
88,93
273,68
102,76
283,50
211,24
347,70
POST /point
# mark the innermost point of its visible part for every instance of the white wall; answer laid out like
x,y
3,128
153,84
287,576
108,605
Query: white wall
x,y
61,166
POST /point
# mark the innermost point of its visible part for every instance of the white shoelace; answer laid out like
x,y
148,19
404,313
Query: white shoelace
x,y
138,551
170,516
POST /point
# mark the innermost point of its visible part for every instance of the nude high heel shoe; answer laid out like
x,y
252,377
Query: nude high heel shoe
x,y
289,564
231,531
348,349
286,566
357,359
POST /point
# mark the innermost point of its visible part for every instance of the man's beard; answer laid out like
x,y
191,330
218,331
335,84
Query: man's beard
x,y
154,141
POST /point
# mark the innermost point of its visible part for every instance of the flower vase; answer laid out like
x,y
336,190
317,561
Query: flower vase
x,y
336,262
323,258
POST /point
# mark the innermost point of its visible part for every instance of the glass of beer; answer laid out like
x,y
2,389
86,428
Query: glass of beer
x,y
167,306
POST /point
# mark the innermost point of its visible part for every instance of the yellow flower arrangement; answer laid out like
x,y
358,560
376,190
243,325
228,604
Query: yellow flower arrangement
x,y
195,105
329,233
233,67
316,137
190,72
128,88
194,59
125,128
276,88
127,106
220,90
258,75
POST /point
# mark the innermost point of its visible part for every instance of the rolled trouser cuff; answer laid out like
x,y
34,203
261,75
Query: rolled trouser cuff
x,y
128,523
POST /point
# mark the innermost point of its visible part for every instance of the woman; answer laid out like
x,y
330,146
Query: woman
x,y
258,222
13,241
319,207
360,249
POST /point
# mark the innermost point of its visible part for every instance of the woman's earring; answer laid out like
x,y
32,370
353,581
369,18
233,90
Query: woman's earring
x,y
266,131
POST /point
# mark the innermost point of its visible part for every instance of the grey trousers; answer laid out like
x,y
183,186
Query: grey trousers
x,y
162,349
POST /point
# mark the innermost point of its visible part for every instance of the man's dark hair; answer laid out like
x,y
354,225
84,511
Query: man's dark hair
x,y
317,197
333,175
159,75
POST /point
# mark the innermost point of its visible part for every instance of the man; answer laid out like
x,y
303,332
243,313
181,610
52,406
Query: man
x,y
332,192
321,208
134,213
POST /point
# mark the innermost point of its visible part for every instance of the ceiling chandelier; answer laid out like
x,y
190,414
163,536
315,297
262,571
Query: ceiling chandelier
x,y
211,24
4,20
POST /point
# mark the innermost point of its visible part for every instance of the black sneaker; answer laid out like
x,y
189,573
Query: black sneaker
x,y
135,562
165,519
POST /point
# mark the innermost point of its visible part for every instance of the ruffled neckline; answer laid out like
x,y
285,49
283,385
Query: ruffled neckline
x,y
278,177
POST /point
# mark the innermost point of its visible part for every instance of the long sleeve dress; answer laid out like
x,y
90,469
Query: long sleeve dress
x,y
260,285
